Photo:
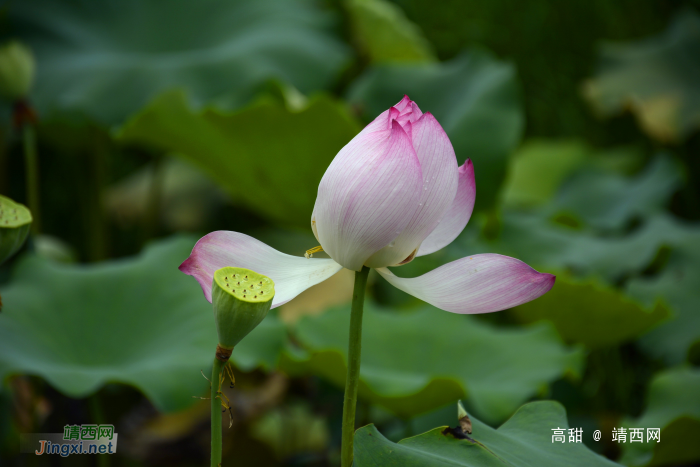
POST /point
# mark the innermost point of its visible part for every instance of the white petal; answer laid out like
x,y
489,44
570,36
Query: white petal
x,y
457,216
291,274
440,178
476,284
367,196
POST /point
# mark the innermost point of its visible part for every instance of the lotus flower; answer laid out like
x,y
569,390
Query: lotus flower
x,y
391,194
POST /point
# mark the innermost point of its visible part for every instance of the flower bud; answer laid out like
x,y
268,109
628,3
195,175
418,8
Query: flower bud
x,y
15,220
241,300
16,70
465,422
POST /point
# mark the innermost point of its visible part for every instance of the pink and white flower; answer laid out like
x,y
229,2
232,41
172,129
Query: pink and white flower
x,y
391,194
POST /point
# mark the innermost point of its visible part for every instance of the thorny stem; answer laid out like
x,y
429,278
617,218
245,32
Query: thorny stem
x,y
216,413
353,376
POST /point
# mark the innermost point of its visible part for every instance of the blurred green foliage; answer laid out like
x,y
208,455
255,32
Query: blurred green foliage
x,y
655,78
673,406
269,140
88,50
384,34
154,118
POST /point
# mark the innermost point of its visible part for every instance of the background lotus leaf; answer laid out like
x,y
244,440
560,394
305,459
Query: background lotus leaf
x,y
69,324
383,33
251,153
537,170
656,78
592,314
106,60
674,407
605,200
678,284
524,440
415,361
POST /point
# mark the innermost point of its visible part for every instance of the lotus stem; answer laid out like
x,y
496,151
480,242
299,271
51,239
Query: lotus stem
x,y
32,174
353,376
216,438
97,414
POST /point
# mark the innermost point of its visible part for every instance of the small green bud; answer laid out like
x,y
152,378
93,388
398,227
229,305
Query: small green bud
x,y
16,70
465,422
461,413
241,299
15,220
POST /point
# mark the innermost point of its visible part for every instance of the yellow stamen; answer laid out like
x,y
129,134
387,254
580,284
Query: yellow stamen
x,y
310,253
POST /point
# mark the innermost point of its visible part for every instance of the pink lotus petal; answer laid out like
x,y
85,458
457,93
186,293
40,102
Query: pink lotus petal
x,y
403,112
291,274
476,284
440,179
404,103
367,196
456,217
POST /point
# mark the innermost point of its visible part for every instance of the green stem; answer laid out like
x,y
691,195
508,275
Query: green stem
x,y
98,418
32,174
97,240
353,377
216,414
154,198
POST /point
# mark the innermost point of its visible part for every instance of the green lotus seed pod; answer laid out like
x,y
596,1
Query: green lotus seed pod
x,y
16,70
241,299
15,220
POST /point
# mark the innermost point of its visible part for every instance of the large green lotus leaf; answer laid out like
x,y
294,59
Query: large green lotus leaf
x,y
583,308
679,286
544,244
549,246
525,440
606,200
592,314
383,33
656,78
475,99
137,321
108,59
268,157
416,361
673,406
538,168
